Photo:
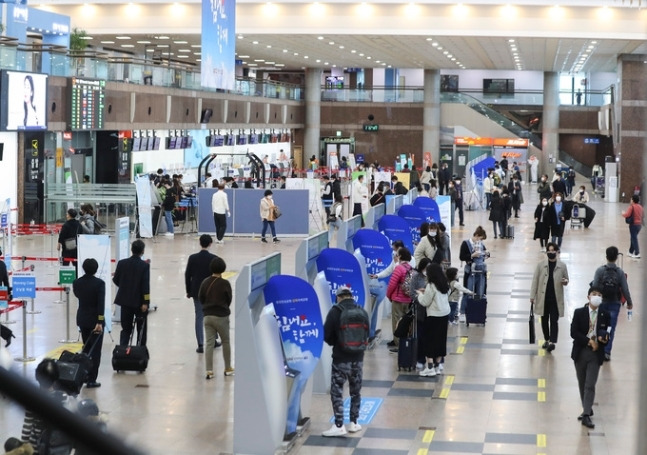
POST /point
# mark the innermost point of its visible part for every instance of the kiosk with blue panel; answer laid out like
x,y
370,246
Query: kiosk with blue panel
x,y
429,208
305,258
396,228
346,232
415,217
337,268
374,249
393,203
262,378
373,215
300,325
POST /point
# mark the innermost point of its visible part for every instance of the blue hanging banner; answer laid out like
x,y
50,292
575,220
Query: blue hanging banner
x,y
396,228
301,328
414,217
376,249
341,268
429,208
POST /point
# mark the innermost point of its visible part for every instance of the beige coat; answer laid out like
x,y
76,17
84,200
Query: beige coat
x,y
539,282
266,209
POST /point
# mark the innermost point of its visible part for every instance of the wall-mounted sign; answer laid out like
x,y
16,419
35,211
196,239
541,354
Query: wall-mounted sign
x,y
371,128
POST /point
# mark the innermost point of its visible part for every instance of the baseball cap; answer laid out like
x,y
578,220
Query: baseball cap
x,y
343,290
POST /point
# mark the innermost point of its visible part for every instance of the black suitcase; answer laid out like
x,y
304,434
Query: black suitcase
x,y
132,357
475,310
74,367
408,348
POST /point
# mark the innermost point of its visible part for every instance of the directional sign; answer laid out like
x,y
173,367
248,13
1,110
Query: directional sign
x,y
24,286
66,275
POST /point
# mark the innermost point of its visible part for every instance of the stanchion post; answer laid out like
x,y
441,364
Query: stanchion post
x,y
6,319
67,316
60,297
51,243
33,311
24,357
24,258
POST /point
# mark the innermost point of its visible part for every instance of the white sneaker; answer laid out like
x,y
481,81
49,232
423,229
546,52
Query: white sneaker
x,y
335,431
420,366
169,234
428,372
354,427
441,366
439,369
461,318
543,250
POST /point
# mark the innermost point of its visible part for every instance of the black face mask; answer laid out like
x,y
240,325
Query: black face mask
x,y
551,255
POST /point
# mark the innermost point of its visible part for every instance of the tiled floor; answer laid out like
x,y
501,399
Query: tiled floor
x,y
499,395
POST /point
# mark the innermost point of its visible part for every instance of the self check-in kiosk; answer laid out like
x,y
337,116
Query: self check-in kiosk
x,y
396,228
415,217
346,232
306,255
373,215
393,203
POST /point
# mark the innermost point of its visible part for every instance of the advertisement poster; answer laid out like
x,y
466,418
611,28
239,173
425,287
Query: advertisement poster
x,y
396,228
376,249
341,268
98,247
218,44
301,329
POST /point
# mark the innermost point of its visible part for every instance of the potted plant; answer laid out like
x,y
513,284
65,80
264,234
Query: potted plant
x,y
78,43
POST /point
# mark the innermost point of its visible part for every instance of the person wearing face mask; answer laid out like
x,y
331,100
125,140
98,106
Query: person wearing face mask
x,y
544,188
394,291
590,333
451,191
556,219
428,244
267,215
581,197
497,214
559,184
474,253
542,227
514,188
547,294
459,199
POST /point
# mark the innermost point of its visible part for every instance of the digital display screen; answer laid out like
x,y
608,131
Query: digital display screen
x,y
242,139
137,144
25,107
171,142
156,143
145,144
498,86
253,138
217,140
87,103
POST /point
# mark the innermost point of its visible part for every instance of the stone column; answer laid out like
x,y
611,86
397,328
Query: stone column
x,y
431,116
313,113
550,124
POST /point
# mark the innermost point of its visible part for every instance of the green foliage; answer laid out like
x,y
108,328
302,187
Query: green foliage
x,y
77,41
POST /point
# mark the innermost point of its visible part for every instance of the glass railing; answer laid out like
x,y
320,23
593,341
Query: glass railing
x,y
374,95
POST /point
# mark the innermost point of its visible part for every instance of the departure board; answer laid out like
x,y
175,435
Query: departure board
x,y
86,105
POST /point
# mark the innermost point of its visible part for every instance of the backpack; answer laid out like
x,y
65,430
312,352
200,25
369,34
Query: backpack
x,y
609,283
98,227
405,286
353,327
54,442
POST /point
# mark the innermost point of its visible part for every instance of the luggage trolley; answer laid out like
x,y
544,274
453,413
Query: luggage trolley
x,y
578,215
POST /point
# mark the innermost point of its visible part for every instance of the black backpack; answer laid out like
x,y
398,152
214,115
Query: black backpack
x,y
54,442
353,327
609,283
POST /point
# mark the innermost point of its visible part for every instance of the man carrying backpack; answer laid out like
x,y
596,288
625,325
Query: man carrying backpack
x,y
346,330
612,280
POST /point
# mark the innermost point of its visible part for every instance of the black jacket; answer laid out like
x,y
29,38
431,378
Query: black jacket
x,y
336,189
91,292
197,269
331,331
580,328
69,230
133,278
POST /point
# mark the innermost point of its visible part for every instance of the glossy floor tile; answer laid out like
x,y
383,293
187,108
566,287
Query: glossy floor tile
x,y
499,395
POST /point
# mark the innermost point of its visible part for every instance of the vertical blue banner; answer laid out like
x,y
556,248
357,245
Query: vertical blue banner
x,y
301,329
218,44
376,249
396,228
429,207
341,268
415,217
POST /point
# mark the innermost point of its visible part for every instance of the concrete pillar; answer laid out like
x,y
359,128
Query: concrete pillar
x,y
550,124
431,117
313,113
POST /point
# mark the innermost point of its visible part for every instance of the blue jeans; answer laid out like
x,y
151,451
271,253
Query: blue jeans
x,y
634,229
613,309
378,289
169,221
199,322
271,225
453,311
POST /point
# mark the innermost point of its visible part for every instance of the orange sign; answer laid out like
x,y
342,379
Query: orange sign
x,y
488,141
511,142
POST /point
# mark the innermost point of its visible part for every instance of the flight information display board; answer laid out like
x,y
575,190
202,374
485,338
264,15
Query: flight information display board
x,y
87,103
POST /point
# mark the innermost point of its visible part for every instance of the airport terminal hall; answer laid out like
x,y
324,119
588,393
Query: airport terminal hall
x,y
323,228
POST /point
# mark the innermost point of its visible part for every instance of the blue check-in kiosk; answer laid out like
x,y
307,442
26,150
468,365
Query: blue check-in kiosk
x,y
262,380
396,228
429,208
415,217
305,258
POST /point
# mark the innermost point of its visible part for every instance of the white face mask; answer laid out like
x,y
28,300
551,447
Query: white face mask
x,y
432,233
558,198
544,203
595,300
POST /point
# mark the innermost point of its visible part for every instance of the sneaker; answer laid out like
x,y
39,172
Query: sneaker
x,y
420,366
391,344
169,234
394,350
263,240
275,240
545,345
636,256
335,431
439,369
229,372
209,375
461,318
354,427
543,250
428,372
217,344
607,357
200,349
551,347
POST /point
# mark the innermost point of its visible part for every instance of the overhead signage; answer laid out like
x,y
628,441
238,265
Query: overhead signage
x,y
371,128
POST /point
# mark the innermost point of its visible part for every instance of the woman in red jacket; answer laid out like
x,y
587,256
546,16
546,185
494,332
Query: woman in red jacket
x,y
396,292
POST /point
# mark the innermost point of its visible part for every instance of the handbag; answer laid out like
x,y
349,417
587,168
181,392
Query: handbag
x,y
403,327
70,244
531,327
630,219
276,211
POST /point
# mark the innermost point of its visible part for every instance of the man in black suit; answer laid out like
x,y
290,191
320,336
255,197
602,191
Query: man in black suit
x,y
91,292
590,332
197,269
132,277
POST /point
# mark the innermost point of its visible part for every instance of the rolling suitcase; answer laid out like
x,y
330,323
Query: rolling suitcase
x,y
509,231
74,367
131,357
475,307
408,348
